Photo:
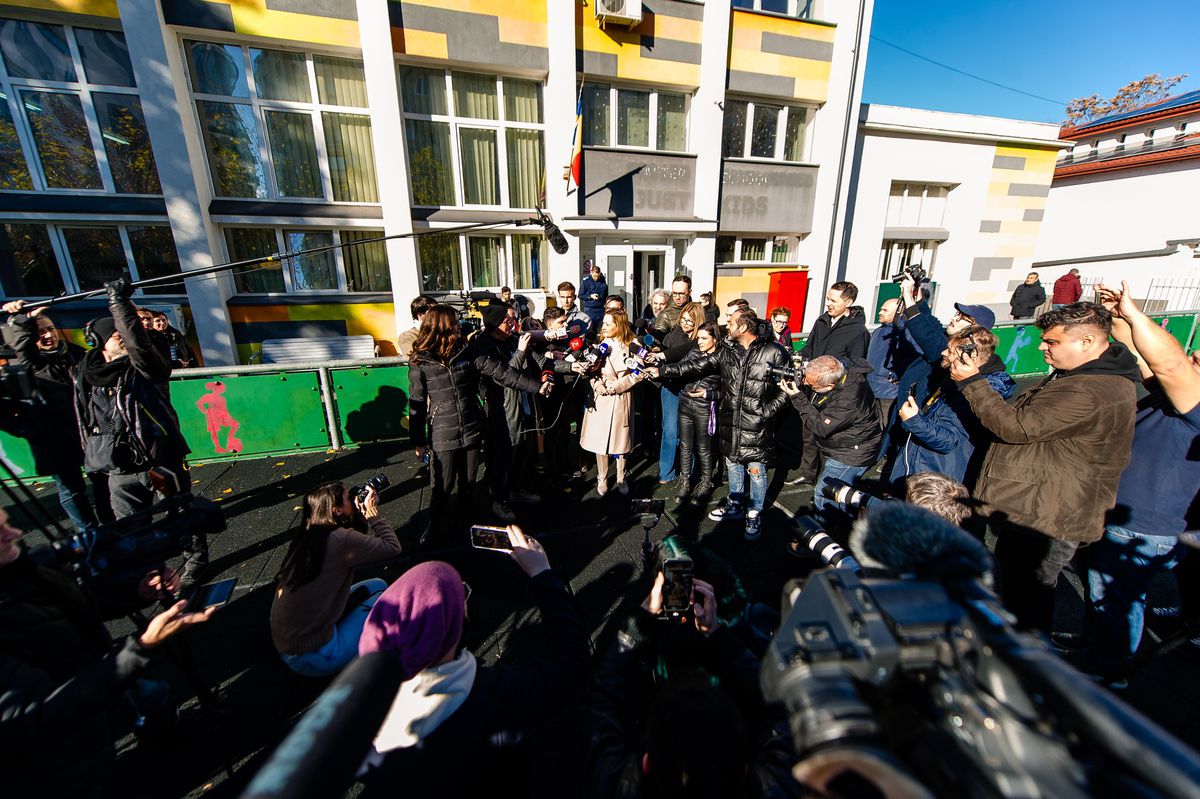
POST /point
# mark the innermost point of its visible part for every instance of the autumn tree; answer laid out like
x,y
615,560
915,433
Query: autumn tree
x,y
1149,89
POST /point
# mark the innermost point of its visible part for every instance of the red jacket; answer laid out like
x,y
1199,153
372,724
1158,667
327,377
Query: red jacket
x,y
1067,289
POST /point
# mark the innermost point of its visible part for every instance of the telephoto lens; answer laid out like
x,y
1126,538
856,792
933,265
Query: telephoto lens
x,y
851,499
812,535
781,373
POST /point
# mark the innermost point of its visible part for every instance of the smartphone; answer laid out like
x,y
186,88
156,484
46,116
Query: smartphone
x,y
912,392
213,595
494,538
655,506
677,587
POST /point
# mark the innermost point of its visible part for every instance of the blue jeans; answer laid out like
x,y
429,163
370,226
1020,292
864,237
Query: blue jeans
x,y
343,646
72,496
833,470
670,435
1121,567
737,484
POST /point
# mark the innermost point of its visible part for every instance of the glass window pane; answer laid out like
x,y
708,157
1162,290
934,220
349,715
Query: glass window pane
x,y
779,251
311,272
340,81
766,123
672,130
528,262
294,154
34,50
14,172
217,69
484,252
351,157
522,100
725,249
280,75
633,118
480,170
793,138
97,255
231,138
429,162
754,249
475,95
441,268
155,256
366,264
246,243
423,90
733,137
778,6
105,57
60,134
526,178
595,115
127,143
28,267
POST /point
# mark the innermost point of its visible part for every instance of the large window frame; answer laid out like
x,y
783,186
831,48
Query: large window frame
x,y
800,9
15,89
287,267
897,254
508,265
260,107
779,150
67,270
765,249
458,122
612,135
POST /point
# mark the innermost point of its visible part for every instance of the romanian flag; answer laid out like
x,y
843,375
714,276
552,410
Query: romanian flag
x,y
577,141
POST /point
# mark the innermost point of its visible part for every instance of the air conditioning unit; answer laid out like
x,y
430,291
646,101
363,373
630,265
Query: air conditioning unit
x,y
619,12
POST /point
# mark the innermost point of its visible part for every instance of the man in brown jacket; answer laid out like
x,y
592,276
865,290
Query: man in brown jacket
x,y
1059,453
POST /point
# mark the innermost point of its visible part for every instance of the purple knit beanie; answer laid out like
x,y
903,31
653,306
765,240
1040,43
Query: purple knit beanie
x,y
419,618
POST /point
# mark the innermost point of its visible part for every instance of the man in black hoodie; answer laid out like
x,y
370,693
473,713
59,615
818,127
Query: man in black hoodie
x,y
841,332
1052,473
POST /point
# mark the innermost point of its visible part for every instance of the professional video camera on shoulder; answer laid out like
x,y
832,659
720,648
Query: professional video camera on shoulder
x,y
917,683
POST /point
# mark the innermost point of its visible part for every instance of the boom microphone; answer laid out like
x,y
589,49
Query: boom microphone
x,y
553,234
907,539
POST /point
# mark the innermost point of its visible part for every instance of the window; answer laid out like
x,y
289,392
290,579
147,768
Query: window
x,y
764,130
802,9
473,139
38,260
895,255
916,205
452,262
281,124
775,250
648,119
351,266
70,117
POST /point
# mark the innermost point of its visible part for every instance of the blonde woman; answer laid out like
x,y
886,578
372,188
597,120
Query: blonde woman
x,y
607,421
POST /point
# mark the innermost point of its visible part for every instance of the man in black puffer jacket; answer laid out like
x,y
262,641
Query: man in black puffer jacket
x,y
750,401
50,428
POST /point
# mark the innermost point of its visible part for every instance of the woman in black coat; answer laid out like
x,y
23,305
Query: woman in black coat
x,y
446,415
698,403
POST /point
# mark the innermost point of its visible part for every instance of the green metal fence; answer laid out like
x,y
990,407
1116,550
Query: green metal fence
x,y
256,411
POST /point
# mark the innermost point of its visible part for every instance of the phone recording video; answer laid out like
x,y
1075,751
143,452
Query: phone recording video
x,y
496,539
677,587
213,595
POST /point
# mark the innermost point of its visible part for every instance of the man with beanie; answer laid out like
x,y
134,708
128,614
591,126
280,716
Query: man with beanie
x,y
456,725
129,430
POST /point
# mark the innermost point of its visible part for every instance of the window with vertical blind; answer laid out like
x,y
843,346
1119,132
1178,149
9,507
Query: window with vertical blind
x,y
473,139
754,129
617,116
453,262
780,249
70,116
283,124
354,264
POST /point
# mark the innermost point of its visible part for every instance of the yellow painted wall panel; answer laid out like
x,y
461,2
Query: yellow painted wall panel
x,y
421,43
530,10
783,26
681,30
532,33
95,8
255,19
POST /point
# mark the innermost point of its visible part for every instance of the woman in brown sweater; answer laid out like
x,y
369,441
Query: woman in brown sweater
x,y
318,614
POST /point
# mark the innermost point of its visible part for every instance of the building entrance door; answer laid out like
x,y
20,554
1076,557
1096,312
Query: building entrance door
x,y
634,271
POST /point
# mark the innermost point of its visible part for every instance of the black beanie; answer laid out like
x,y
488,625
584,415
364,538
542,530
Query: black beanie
x,y
494,313
103,328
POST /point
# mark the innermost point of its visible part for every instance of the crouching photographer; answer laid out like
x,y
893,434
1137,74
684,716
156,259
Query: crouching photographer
x,y
920,685
67,691
686,737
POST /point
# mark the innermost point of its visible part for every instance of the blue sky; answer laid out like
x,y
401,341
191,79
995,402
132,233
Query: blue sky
x,y
1059,50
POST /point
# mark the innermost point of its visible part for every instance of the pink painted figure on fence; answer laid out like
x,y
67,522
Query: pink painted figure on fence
x,y
216,413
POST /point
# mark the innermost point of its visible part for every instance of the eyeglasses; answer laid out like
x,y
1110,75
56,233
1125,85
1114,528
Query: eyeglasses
x,y
679,293
466,592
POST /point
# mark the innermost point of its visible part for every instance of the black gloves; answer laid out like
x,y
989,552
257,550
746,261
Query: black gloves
x,y
118,289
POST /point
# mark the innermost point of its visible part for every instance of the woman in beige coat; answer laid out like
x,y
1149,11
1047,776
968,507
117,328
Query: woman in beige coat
x,y
608,419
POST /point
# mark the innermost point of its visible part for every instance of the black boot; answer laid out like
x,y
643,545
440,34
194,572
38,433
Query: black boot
x,y
683,487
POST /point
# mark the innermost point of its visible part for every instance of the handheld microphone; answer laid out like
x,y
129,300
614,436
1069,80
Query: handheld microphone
x,y
576,344
553,234
907,539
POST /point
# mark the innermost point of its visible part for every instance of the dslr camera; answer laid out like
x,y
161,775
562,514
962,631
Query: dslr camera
x,y
914,271
378,482
793,373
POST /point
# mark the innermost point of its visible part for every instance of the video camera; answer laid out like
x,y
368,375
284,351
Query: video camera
x,y
914,271
925,678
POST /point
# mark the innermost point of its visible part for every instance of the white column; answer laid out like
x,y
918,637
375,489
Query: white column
x,y
705,126
391,164
560,95
179,155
